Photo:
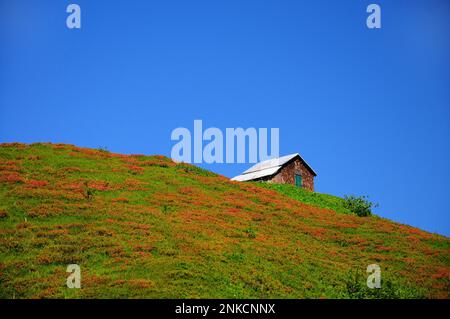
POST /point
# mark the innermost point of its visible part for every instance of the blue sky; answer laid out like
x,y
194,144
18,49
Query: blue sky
x,y
368,109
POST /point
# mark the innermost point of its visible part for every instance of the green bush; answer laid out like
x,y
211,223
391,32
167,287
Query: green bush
x,y
360,205
391,288
250,233
103,149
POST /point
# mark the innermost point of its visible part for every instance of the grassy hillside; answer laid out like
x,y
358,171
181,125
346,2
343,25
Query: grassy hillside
x,y
143,226
316,199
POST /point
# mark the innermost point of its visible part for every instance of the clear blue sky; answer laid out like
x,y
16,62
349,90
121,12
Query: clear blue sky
x,y
368,109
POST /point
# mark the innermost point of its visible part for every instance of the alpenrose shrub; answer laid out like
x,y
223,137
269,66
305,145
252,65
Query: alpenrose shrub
x,y
360,205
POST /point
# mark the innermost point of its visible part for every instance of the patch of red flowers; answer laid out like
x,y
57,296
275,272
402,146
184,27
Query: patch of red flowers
x,y
134,169
99,185
120,200
11,177
36,184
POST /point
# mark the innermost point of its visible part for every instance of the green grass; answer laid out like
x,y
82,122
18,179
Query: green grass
x,y
145,227
317,199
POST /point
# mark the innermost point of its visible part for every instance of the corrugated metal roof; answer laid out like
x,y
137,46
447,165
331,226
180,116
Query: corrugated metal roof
x,y
267,168
256,175
279,161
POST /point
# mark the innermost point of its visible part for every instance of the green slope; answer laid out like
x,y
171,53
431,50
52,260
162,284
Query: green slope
x,y
143,226
317,199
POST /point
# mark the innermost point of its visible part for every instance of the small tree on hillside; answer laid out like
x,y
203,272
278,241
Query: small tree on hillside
x,y
360,205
